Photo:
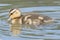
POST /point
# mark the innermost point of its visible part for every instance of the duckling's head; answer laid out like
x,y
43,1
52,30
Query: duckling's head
x,y
14,13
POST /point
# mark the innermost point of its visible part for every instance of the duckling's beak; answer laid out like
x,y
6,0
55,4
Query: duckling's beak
x,y
9,19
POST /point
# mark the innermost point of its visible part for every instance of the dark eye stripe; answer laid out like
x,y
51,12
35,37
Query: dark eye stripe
x,y
11,10
11,13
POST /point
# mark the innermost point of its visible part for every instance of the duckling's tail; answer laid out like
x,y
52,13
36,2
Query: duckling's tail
x,y
49,20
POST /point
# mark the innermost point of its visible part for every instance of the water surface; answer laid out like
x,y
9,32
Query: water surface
x,y
49,31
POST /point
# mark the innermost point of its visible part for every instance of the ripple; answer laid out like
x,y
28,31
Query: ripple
x,y
41,8
5,4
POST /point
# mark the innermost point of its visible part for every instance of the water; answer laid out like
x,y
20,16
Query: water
x,y
49,31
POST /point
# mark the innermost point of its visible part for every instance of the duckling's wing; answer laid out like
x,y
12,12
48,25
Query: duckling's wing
x,y
32,16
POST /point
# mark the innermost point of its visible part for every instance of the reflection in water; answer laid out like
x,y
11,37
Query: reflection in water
x,y
15,29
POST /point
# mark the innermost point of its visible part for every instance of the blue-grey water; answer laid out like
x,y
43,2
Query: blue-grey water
x,y
50,31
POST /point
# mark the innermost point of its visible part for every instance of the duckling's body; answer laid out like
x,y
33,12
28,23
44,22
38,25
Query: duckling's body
x,y
31,19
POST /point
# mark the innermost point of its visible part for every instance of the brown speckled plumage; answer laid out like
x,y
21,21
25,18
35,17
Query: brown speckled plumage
x,y
32,19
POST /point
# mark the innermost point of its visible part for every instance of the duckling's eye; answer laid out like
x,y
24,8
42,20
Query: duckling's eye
x,y
11,13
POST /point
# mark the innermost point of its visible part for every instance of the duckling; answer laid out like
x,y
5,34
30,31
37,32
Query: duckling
x,y
32,19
